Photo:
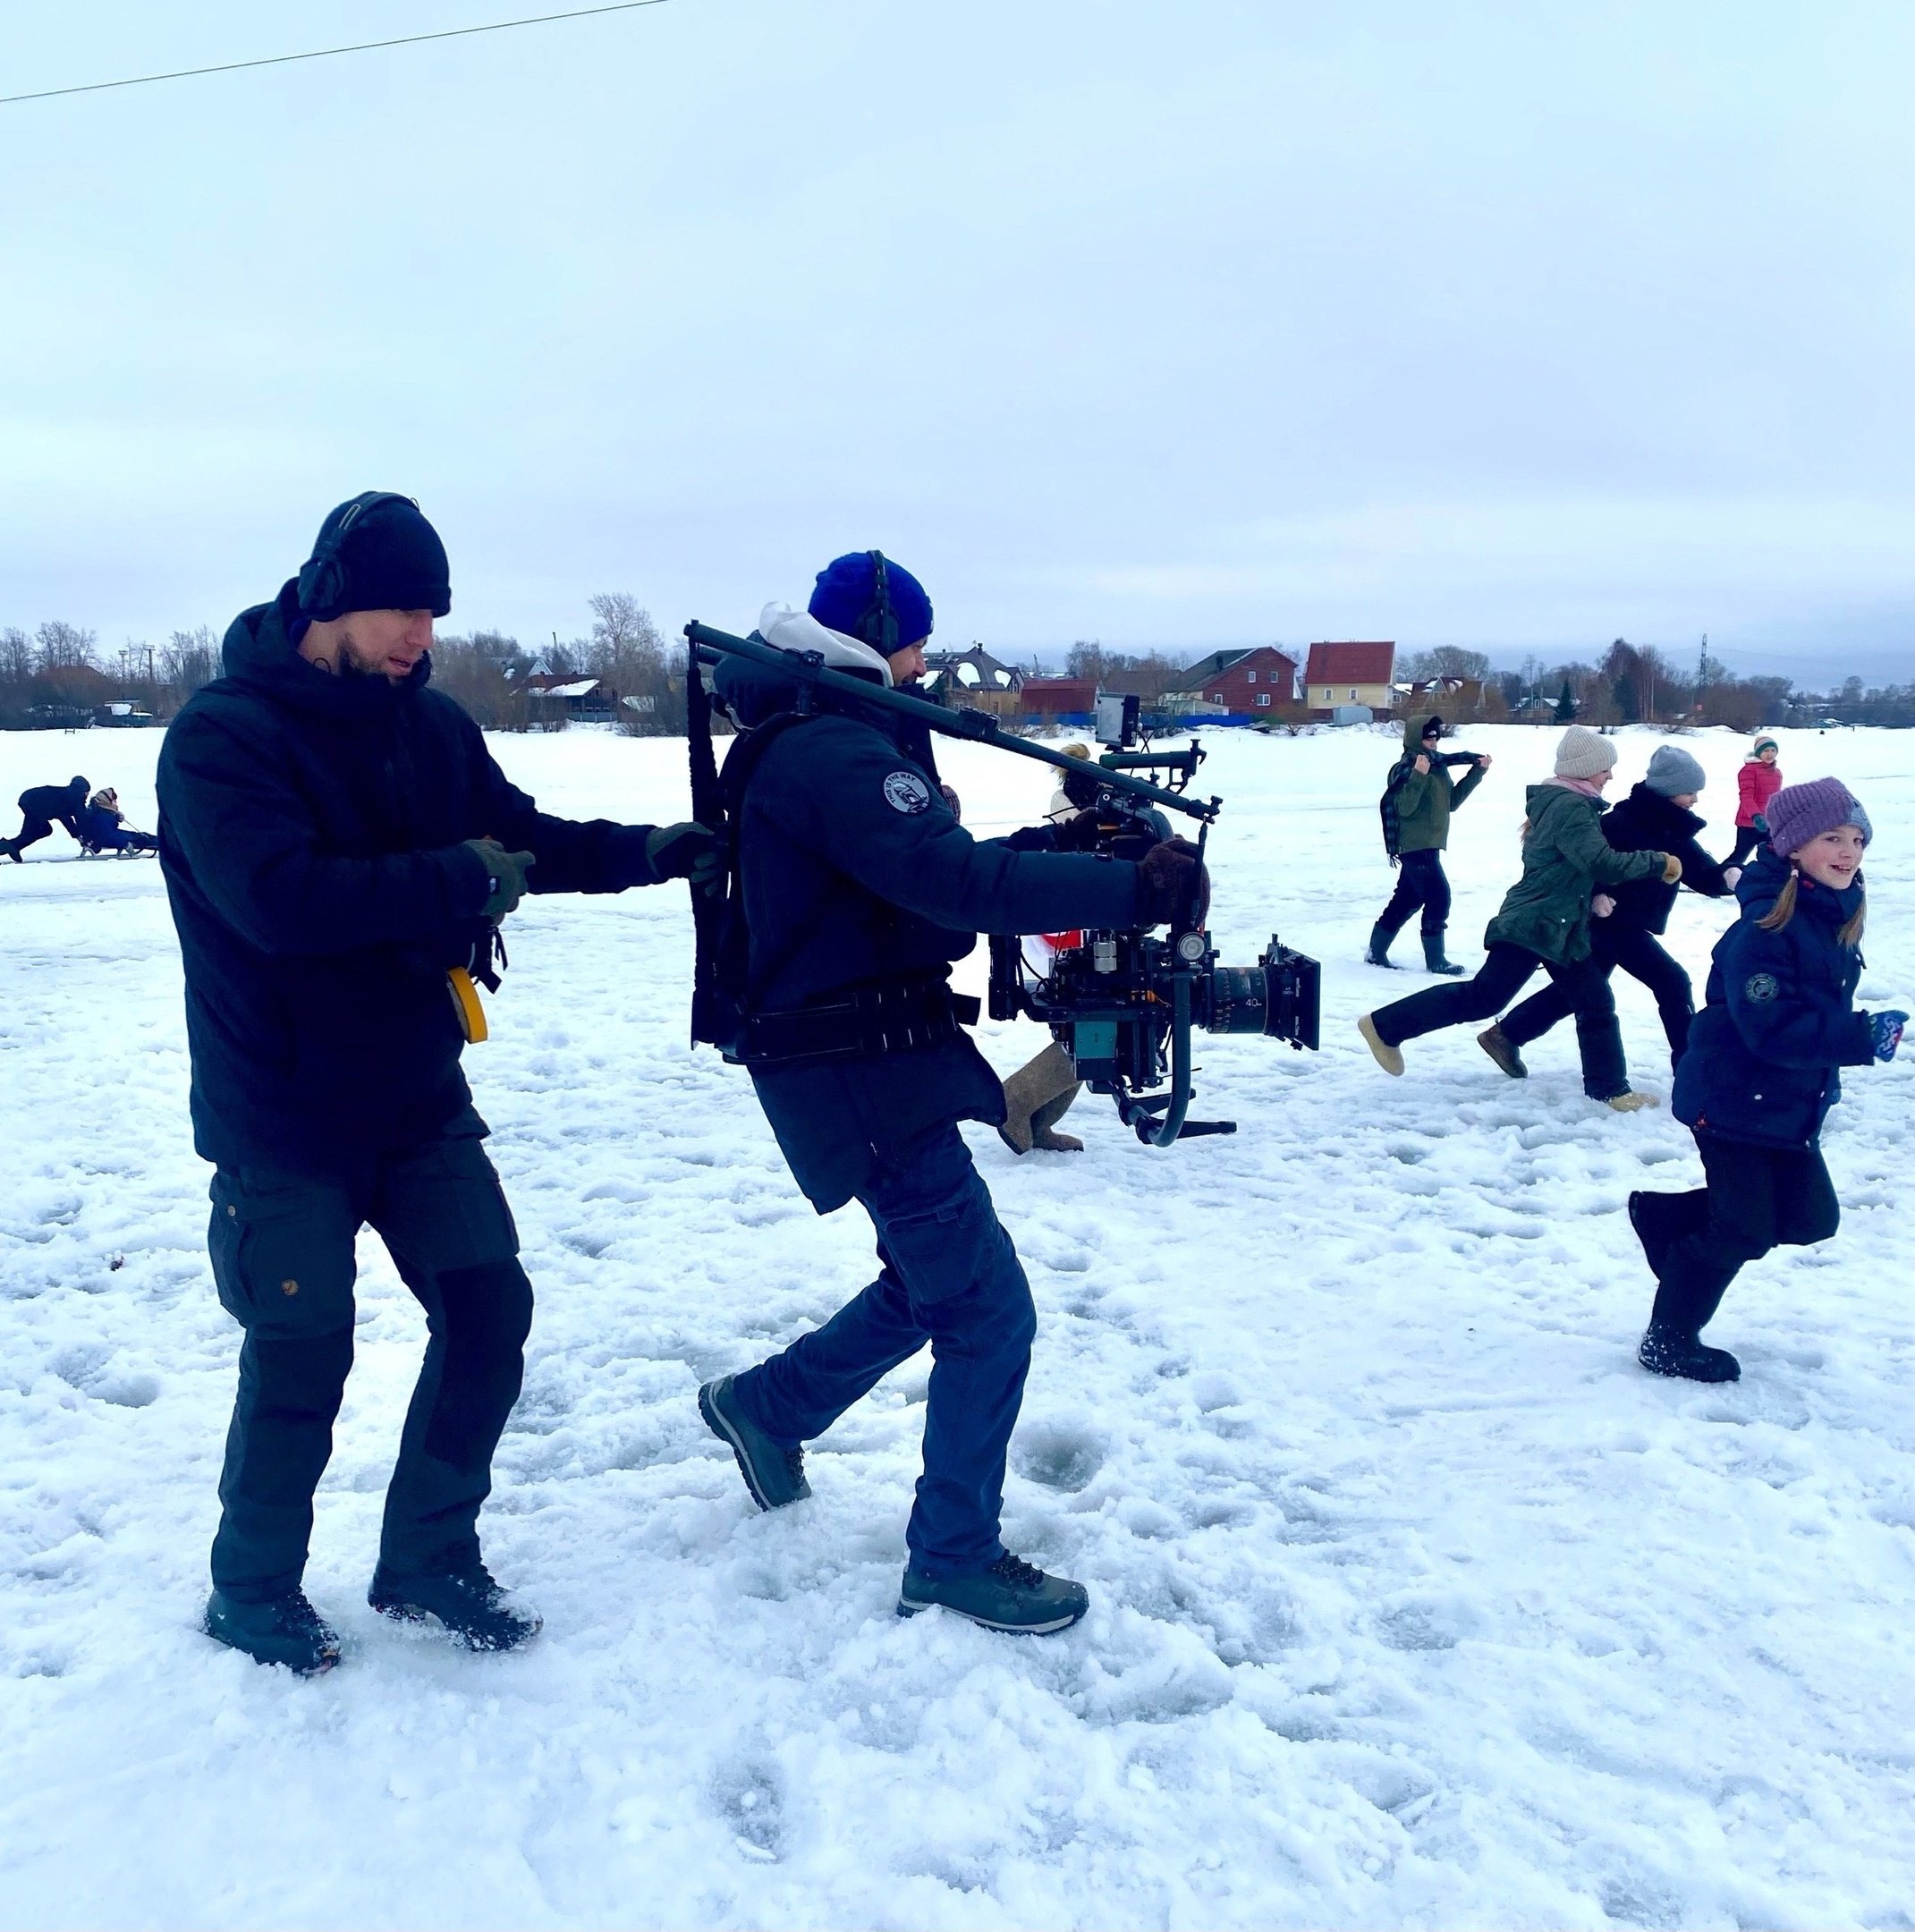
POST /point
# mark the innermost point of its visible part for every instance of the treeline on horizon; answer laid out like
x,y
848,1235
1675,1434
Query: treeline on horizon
x,y
59,674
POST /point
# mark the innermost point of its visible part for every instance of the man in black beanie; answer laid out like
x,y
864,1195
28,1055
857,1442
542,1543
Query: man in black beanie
x,y
339,847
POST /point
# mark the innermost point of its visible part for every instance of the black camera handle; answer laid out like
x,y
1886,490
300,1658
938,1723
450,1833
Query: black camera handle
x,y
809,668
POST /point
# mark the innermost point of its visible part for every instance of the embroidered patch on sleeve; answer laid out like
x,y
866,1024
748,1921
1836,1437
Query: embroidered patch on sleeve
x,y
1760,987
906,792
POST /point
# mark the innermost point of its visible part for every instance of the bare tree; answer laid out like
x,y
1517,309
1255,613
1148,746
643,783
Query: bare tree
x,y
189,659
64,647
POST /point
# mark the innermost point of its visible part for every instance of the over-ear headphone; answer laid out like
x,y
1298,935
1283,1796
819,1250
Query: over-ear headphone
x,y
883,619
323,583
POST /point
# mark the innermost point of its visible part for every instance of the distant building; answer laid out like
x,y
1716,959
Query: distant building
x,y
551,694
974,681
1062,699
1453,697
1350,674
1238,683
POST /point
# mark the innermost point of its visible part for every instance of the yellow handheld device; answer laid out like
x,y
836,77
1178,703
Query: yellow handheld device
x,y
466,1004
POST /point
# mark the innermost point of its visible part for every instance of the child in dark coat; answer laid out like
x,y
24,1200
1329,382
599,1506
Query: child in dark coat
x,y
1761,1074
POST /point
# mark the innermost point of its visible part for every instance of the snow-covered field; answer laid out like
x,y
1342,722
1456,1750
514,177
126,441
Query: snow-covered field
x,y
1415,1603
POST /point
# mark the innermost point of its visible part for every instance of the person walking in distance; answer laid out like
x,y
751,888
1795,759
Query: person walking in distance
x,y
1417,802
1758,782
1761,1072
338,847
1544,923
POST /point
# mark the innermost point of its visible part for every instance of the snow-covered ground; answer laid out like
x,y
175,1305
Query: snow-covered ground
x,y
1415,1603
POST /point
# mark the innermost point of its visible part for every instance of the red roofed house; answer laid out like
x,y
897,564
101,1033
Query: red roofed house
x,y
1243,682
1350,674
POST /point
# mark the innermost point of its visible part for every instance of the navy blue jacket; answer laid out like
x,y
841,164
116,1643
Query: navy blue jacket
x,y
1645,821
59,804
855,871
1763,1054
311,830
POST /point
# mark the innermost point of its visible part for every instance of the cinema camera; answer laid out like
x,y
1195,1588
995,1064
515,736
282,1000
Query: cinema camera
x,y
1121,1002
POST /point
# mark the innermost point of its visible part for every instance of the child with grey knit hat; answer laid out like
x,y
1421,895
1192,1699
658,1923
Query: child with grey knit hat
x,y
1630,920
1544,922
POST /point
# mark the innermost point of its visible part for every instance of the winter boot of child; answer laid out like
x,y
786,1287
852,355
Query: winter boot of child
x,y
12,850
467,1605
1655,1226
1669,1351
1049,1077
1380,936
1388,1057
1011,1594
1504,1051
1047,1116
284,1630
1631,1103
1433,959
773,1473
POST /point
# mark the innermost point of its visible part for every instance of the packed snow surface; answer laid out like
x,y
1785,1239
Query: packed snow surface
x,y
1415,1603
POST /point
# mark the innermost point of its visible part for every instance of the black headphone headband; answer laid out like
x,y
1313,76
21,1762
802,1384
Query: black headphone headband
x,y
883,618
322,576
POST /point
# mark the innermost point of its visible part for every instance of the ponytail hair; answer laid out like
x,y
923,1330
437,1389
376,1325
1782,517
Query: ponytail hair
x,y
1784,909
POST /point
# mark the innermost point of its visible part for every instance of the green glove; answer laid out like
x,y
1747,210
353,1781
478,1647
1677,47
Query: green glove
x,y
506,871
686,850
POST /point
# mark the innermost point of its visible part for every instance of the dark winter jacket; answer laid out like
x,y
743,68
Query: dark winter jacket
x,y
1645,821
59,805
1564,859
855,873
311,830
1763,1054
1423,801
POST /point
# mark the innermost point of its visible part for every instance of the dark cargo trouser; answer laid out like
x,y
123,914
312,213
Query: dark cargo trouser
x,y
1640,955
949,1276
283,1258
1420,882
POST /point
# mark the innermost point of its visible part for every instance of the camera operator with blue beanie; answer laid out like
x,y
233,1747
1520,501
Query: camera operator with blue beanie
x,y
859,889
339,848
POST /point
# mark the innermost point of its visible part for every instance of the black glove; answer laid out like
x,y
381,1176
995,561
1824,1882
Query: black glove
x,y
1079,832
1031,838
507,872
687,851
1163,882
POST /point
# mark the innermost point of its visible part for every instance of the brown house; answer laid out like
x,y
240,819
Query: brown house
x,y
1245,683
1349,675
1059,696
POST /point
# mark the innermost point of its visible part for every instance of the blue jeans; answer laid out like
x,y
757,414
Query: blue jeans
x,y
948,1275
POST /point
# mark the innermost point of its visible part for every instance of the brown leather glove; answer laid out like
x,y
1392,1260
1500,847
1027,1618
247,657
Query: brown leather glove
x,y
1672,869
1164,879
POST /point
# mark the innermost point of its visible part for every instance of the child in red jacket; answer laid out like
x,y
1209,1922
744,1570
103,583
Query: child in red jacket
x,y
1758,782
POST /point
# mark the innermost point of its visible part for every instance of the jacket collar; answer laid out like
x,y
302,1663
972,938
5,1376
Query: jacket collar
x,y
258,654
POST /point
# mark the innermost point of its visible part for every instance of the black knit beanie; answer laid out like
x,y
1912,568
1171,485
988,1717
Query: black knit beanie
x,y
375,552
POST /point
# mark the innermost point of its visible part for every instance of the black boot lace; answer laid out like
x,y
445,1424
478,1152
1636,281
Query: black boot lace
x,y
1015,1572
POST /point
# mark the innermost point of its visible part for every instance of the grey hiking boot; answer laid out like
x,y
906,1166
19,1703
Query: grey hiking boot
x,y
773,1473
467,1605
1504,1051
284,1630
1044,1126
1011,1594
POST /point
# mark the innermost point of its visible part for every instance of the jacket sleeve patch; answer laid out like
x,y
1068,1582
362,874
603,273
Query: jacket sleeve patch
x,y
906,792
1760,987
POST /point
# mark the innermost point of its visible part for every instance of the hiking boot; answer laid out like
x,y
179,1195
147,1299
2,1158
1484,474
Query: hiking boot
x,y
1502,1049
283,1630
1045,1119
1433,959
1387,1056
467,1605
773,1473
1011,1594
1631,1103
1379,947
1051,1076
1668,1351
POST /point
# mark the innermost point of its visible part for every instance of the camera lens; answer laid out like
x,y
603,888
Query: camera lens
x,y
1240,1000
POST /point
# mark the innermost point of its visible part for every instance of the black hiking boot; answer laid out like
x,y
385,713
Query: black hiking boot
x,y
12,850
467,1605
774,1474
1379,947
1668,1351
1011,1594
284,1630
1433,959
1503,1050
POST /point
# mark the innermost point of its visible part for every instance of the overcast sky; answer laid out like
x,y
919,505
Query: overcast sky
x,y
1522,326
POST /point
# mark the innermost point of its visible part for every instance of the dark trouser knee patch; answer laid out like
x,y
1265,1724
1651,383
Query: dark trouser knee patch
x,y
487,1314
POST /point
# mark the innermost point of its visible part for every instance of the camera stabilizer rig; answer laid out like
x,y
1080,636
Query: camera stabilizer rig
x,y
1122,1003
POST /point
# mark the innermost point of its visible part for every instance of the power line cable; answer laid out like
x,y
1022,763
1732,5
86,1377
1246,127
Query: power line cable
x,y
362,46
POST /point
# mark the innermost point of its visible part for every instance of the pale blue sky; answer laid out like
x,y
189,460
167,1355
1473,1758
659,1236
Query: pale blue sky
x,y
1520,326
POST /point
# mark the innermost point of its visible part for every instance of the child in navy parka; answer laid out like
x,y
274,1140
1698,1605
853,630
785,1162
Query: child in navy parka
x,y
1760,1073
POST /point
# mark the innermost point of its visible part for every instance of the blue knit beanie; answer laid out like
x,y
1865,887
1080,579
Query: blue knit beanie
x,y
846,599
375,552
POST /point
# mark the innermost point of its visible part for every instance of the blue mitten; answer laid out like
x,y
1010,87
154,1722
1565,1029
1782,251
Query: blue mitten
x,y
1759,823
1884,1028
